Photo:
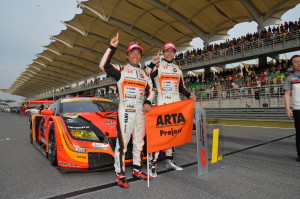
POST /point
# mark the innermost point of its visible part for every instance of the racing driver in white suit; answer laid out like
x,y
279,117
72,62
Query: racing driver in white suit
x,y
169,83
135,95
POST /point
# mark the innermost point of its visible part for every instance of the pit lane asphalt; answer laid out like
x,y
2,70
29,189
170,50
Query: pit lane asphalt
x,y
257,163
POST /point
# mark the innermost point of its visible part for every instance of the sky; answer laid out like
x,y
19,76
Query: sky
x,y
27,24
25,27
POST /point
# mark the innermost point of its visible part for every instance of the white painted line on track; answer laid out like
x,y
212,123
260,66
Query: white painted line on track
x,y
4,139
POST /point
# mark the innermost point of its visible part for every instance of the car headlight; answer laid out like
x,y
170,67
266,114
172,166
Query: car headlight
x,y
84,134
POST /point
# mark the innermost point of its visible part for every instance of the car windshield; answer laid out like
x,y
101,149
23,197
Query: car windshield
x,y
87,105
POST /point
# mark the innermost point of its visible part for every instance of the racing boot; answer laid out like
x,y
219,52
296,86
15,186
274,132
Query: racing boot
x,y
170,165
121,180
152,167
138,174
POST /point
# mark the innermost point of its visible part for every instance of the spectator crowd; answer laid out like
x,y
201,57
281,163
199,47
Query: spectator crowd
x,y
285,31
251,76
236,78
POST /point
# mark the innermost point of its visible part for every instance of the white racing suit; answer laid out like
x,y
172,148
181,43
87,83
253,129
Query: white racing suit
x,y
133,86
169,83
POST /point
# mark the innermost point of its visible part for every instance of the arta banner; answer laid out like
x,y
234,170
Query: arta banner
x,y
169,125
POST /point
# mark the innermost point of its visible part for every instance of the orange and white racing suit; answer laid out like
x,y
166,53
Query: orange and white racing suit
x,y
135,89
169,82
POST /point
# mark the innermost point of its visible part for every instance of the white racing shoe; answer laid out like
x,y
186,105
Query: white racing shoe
x,y
153,172
170,165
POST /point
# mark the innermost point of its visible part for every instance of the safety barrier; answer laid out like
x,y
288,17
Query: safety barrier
x,y
253,114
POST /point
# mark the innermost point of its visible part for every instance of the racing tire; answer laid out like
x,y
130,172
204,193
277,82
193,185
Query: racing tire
x,y
52,151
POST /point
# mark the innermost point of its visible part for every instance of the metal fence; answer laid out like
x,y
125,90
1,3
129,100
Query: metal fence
x,y
252,114
265,95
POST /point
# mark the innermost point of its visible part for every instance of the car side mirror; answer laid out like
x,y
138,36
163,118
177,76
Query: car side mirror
x,y
47,112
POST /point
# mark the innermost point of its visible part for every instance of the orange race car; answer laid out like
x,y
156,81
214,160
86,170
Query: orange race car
x,y
77,133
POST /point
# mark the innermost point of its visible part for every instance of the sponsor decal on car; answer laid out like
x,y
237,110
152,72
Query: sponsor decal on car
x,y
68,164
109,122
71,114
80,150
70,121
81,157
65,100
78,127
82,99
94,144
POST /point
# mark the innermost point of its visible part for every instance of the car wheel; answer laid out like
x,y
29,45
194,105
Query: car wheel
x,y
52,151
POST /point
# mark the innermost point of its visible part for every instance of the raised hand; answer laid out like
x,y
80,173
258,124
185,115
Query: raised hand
x,y
156,58
115,41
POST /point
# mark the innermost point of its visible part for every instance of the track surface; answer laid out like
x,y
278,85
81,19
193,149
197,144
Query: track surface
x,y
257,163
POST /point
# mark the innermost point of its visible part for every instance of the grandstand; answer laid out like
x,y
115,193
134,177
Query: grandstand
x,y
234,87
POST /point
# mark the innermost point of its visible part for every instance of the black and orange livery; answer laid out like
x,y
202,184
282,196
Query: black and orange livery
x,y
77,133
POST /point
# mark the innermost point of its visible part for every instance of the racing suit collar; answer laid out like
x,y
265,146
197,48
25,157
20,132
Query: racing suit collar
x,y
139,66
170,62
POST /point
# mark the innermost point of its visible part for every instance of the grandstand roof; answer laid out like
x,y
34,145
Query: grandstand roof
x,y
75,53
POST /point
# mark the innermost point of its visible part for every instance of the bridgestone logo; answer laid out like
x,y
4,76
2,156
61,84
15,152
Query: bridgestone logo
x,y
126,117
